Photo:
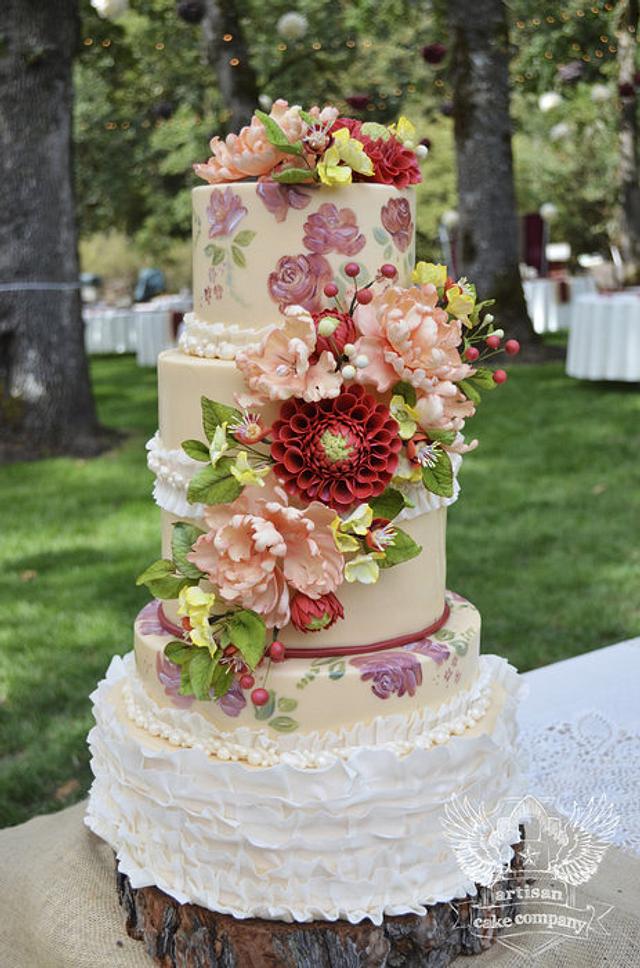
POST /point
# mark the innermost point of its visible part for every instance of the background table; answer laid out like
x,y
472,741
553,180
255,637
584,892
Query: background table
x,y
109,330
548,313
604,337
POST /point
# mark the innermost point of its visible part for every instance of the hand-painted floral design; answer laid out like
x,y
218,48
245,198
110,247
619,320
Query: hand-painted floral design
x,y
435,650
224,212
148,621
278,199
333,229
169,675
338,451
299,280
390,673
233,701
396,218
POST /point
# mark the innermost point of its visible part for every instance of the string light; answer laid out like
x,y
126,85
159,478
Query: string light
x,y
550,20
367,44
227,38
87,41
282,47
159,45
579,13
317,45
548,55
351,44
234,61
520,24
125,125
106,43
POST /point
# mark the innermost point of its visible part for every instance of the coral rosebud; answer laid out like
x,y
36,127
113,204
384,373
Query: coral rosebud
x,y
352,269
512,346
499,376
315,614
493,341
471,353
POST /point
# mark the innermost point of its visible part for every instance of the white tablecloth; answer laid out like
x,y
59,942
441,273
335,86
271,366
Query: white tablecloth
x,y
109,330
154,333
604,338
548,314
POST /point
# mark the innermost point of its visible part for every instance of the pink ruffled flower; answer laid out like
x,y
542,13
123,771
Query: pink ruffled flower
x,y
333,229
446,408
258,548
278,199
280,365
407,337
224,211
250,154
396,218
326,115
298,280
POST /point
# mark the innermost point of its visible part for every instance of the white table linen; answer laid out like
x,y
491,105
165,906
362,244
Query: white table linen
x,y
604,338
548,314
109,330
154,333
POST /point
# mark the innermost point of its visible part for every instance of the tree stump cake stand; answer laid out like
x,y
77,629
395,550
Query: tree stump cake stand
x,y
188,936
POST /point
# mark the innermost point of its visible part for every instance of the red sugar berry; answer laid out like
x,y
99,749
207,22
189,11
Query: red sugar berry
x,y
259,697
471,353
499,376
352,269
364,296
388,270
247,682
331,290
493,341
276,651
512,346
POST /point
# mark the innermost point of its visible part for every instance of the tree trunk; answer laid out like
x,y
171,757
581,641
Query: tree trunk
x,y
629,165
487,205
46,403
230,59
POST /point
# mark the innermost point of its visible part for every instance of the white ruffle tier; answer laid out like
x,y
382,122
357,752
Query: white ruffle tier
x,y
358,838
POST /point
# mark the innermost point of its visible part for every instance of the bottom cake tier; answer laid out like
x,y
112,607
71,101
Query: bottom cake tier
x,y
356,835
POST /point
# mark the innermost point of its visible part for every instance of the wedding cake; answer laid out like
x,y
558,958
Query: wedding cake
x,y
304,695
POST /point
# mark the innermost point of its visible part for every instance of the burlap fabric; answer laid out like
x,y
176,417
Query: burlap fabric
x,y
59,907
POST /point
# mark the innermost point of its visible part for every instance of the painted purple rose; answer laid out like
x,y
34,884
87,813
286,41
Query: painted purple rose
x,y
169,675
148,620
233,701
390,673
396,218
435,650
278,199
333,229
224,211
298,280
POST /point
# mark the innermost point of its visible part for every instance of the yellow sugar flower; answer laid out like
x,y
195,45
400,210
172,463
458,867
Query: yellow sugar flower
x,y
197,605
218,444
407,471
245,474
345,156
428,272
363,568
405,415
460,302
405,131
358,522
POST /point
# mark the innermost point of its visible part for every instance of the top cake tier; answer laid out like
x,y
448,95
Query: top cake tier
x,y
259,247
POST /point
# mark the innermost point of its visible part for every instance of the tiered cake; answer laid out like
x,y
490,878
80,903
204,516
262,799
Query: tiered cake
x,y
306,696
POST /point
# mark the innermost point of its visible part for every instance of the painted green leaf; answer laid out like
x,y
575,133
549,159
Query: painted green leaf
x,y
439,479
380,235
469,391
216,254
287,705
284,724
388,252
388,504
214,485
238,256
293,176
178,652
403,549
159,569
266,711
245,237
214,414
183,537
200,672
406,391
221,680
445,635
247,632
337,670
196,449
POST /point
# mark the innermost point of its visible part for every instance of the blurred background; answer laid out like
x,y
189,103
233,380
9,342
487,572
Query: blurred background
x,y
531,186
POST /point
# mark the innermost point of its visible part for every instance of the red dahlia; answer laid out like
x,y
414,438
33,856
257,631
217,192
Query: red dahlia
x,y
338,451
393,164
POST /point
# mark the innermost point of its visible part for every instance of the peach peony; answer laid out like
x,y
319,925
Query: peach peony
x,y
250,154
258,548
407,337
445,408
279,366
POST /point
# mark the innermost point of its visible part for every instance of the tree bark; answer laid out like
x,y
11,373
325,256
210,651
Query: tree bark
x,y
629,137
46,403
230,59
487,204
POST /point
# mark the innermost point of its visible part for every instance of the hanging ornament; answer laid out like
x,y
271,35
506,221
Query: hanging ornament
x,y
359,102
192,11
110,8
549,101
600,93
559,131
571,72
292,25
548,211
626,90
265,102
162,110
446,108
434,53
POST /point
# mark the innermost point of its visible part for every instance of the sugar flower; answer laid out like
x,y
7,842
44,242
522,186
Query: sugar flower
x,y
342,158
246,473
280,365
196,605
314,615
445,408
428,273
363,568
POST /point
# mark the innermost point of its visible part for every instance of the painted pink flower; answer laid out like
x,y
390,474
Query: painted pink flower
x,y
333,229
390,673
233,701
406,336
298,280
281,366
224,211
169,675
250,153
278,199
258,548
148,621
437,651
396,218
446,408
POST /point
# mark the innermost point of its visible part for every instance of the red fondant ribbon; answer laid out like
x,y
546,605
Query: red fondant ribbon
x,y
333,650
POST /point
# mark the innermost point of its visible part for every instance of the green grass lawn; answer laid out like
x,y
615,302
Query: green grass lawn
x,y
544,540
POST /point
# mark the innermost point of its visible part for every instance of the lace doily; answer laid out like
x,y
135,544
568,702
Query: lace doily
x,y
589,756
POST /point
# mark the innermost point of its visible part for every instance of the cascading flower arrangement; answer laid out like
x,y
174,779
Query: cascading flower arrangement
x,y
290,146
372,395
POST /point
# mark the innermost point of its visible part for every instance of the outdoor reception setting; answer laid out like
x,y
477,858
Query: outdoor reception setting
x,y
319,484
